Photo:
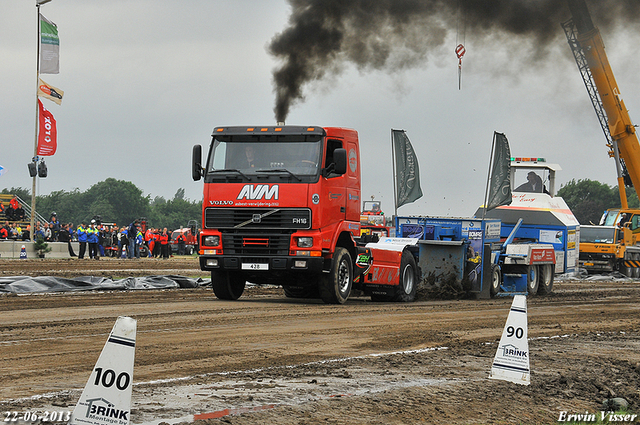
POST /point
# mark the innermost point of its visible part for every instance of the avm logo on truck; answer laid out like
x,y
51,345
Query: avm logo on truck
x,y
258,191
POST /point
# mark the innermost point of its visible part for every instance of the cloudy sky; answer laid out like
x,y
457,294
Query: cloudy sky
x,y
146,80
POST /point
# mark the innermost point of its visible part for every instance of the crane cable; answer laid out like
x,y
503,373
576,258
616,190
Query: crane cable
x,y
460,49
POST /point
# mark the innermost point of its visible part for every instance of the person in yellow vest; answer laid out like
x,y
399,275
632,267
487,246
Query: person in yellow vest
x,y
93,239
82,239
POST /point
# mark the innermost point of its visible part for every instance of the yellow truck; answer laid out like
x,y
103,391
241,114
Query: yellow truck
x,y
612,246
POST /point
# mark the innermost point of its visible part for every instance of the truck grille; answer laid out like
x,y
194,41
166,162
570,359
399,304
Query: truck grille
x,y
256,243
257,218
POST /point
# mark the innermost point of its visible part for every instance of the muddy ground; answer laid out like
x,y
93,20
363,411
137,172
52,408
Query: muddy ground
x,y
269,359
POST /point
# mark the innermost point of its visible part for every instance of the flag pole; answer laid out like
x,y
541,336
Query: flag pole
x,y
393,163
486,190
35,144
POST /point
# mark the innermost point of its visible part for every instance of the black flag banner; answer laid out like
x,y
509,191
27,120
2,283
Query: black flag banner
x,y
407,172
500,180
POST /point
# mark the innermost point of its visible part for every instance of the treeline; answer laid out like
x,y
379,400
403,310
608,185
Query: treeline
x,y
115,201
588,199
121,202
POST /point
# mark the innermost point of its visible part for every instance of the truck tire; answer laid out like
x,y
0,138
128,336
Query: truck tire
x,y
496,280
408,285
301,291
546,279
335,286
227,285
533,279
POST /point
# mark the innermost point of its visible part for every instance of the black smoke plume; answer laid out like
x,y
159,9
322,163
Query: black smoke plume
x,y
390,35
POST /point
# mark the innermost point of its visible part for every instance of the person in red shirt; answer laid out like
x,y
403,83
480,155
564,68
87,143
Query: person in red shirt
x,y
164,243
148,236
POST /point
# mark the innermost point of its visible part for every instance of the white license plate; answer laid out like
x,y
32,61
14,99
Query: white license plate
x,y
255,266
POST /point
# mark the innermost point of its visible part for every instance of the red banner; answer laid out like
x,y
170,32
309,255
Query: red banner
x,y
48,134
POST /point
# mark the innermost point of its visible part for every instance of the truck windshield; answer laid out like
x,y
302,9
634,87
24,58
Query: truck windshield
x,y
291,158
610,218
597,234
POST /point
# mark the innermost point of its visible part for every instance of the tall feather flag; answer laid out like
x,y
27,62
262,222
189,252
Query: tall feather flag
x,y
48,134
499,192
407,170
49,47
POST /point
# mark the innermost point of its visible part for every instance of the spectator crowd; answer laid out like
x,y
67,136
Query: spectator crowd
x,y
97,239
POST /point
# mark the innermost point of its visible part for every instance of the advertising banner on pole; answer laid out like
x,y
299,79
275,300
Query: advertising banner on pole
x,y
49,47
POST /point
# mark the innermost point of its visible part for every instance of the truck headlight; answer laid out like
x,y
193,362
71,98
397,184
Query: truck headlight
x,y
211,240
305,242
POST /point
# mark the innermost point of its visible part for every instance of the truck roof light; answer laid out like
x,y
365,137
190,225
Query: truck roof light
x,y
219,129
310,129
522,159
278,129
250,129
264,129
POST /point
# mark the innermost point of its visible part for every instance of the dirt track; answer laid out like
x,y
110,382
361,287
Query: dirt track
x,y
270,359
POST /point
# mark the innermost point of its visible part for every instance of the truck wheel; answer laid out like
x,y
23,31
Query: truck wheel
x,y
496,280
546,279
301,291
335,287
408,285
532,280
227,285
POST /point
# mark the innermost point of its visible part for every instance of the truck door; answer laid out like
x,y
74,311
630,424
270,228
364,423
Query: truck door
x,y
353,182
334,205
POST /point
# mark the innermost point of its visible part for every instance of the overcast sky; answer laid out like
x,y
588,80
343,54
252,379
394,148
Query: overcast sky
x,y
146,80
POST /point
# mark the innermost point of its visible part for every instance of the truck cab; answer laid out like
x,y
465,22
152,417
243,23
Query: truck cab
x,y
281,206
613,244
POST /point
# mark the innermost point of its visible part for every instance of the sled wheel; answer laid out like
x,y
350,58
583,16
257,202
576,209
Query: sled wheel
x,y
227,285
335,286
496,280
532,280
546,279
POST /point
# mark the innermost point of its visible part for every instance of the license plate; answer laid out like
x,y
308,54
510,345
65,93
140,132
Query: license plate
x,y
255,266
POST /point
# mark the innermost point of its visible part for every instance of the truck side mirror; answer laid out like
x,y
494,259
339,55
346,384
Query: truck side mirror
x,y
196,163
340,159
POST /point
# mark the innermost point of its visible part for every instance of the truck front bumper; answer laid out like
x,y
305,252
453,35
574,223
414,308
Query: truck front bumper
x,y
255,265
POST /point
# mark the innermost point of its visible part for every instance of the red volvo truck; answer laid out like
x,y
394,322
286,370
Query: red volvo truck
x,y
282,206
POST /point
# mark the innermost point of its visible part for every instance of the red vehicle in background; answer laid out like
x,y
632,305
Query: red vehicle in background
x,y
373,221
190,238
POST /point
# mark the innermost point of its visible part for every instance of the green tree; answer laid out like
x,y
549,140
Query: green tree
x,y
65,204
175,213
115,201
24,194
588,199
